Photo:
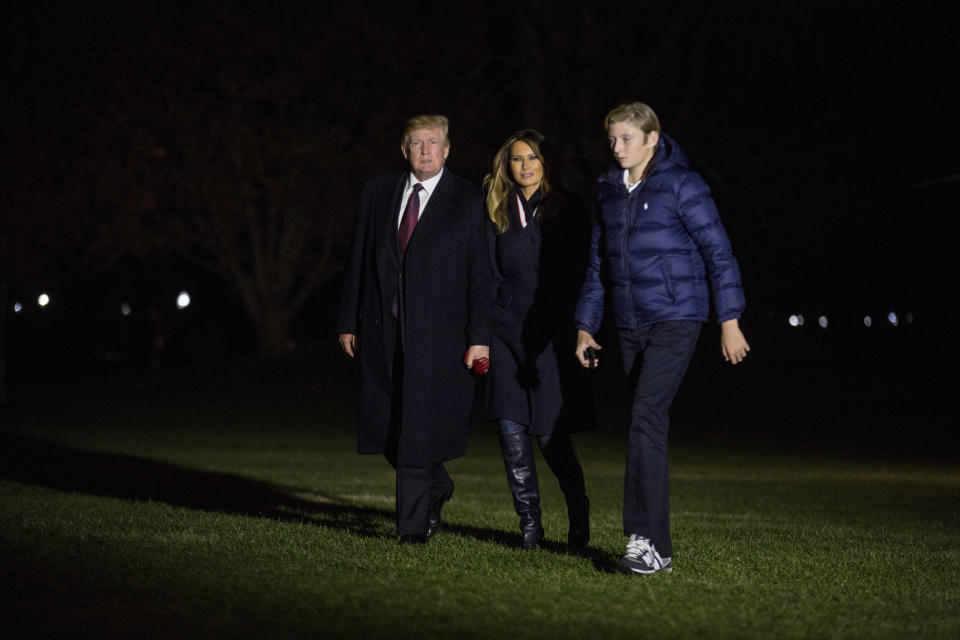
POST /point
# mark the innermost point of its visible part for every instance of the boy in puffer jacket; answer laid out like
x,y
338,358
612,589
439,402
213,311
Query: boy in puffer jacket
x,y
661,250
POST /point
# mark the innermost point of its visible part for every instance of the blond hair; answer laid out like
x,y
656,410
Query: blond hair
x,y
638,114
499,183
427,122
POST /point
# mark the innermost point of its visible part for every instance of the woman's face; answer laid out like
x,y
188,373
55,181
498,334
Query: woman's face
x,y
525,166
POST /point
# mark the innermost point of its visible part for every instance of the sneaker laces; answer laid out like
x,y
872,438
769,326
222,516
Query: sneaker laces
x,y
641,549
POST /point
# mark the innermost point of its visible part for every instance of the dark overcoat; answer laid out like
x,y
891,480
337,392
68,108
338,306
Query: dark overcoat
x,y
444,292
534,377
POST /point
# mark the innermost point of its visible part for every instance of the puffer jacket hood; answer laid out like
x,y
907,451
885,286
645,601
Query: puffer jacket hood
x,y
668,155
660,250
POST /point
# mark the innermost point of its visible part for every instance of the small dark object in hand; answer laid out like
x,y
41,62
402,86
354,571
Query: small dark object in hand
x,y
591,355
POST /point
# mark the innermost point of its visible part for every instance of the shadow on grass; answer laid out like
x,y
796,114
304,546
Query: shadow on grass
x,y
45,463
601,560
50,464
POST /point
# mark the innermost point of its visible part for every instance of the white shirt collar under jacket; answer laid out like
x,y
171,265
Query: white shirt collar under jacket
x,y
428,186
626,181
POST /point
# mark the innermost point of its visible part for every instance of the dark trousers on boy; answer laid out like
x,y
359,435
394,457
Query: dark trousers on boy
x,y
656,356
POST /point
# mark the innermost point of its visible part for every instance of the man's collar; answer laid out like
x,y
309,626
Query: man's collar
x,y
428,185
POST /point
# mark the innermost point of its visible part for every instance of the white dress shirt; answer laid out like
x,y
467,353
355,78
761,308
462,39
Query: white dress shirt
x,y
428,186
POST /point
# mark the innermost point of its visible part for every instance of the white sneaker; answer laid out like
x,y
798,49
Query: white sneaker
x,y
642,558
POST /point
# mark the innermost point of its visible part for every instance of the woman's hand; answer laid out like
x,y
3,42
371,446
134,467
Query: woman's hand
x,y
585,340
733,345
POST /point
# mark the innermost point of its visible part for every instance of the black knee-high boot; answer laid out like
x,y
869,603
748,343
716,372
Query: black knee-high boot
x,y
563,461
522,479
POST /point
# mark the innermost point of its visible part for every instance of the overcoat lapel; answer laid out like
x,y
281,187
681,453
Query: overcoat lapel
x,y
387,225
437,205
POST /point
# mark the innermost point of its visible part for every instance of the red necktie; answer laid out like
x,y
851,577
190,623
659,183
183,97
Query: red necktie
x,y
409,220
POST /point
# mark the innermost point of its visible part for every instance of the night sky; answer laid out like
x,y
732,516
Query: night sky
x,y
826,129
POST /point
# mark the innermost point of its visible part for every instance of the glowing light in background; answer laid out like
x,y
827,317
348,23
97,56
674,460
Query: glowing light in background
x,y
126,309
183,300
823,322
17,307
796,320
893,319
909,317
867,321
43,300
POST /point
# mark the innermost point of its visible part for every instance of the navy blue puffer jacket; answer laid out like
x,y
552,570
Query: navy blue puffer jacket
x,y
659,249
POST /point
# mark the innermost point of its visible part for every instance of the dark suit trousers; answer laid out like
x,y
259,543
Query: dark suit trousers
x,y
657,356
417,487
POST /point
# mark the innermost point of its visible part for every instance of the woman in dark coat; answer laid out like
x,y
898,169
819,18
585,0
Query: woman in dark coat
x,y
539,242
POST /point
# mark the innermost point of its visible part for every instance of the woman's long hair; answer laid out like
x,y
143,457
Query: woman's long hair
x,y
499,184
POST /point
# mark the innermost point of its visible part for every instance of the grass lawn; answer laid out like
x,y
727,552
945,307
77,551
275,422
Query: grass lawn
x,y
131,511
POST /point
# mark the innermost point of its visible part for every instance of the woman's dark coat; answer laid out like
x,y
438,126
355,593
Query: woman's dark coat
x,y
444,309
534,378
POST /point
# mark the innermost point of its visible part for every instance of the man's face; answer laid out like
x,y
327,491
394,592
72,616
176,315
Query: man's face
x,y
426,150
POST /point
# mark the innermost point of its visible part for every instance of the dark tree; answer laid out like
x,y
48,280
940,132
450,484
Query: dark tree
x,y
216,134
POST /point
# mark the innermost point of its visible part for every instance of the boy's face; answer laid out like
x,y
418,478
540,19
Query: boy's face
x,y
631,147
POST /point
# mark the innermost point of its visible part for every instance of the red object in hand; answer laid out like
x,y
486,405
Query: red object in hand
x,y
480,365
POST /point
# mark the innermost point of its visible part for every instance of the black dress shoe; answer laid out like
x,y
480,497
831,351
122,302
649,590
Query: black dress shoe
x,y
435,523
413,538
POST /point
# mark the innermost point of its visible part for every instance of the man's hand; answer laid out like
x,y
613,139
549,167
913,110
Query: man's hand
x,y
348,342
585,340
477,358
733,345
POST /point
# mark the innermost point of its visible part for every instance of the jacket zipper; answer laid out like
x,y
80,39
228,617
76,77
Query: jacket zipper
x,y
623,249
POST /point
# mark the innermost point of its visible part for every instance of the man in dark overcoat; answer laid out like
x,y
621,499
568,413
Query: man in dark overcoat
x,y
415,311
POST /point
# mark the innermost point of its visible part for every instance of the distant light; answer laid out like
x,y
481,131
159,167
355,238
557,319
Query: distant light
x,y
909,317
17,307
800,319
794,321
823,322
183,300
893,319
126,309
867,321
43,300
